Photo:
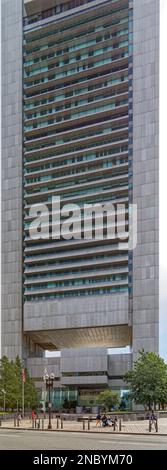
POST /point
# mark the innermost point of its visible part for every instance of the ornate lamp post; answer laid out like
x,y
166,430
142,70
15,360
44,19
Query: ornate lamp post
x,y
49,379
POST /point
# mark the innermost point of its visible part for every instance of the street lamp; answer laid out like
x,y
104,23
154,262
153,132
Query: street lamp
x,y
4,398
49,379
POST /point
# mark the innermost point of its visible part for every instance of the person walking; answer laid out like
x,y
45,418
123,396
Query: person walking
x,y
153,419
33,415
98,420
104,420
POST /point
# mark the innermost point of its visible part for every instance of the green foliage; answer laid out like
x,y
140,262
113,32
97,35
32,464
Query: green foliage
x,y
11,383
87,400
108,399
69,404
8,383
148,379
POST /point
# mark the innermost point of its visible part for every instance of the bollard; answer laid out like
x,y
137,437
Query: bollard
x,y
57,423
120,424
156,425
83,424
18,422
38,424
32,423
35,421
61,423
114,425
14,422
0,422
42,423
149,425
89,424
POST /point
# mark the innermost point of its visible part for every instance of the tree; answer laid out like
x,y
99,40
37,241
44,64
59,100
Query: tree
x,y
8,383
69,404
148,380
11,383
30,392
108,399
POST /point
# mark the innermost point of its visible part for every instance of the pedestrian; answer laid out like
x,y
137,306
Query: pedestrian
x,y
153,418
114,422
104,420
98,419
33,414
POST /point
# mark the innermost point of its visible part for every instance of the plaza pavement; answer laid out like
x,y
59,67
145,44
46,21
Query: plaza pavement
x,y
129,427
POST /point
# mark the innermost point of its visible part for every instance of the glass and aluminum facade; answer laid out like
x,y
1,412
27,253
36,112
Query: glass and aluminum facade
x,y
77,140
80,83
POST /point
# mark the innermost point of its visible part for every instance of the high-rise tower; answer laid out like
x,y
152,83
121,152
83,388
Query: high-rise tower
x,y
80,125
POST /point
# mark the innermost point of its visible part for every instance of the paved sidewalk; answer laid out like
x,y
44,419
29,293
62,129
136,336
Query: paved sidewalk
x,y
131,427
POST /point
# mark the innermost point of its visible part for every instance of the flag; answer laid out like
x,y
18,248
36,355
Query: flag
x,y
23,375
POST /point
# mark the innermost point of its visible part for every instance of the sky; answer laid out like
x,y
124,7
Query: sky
x,y
163,181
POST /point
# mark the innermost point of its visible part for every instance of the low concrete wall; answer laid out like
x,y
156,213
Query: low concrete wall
x,y
91,416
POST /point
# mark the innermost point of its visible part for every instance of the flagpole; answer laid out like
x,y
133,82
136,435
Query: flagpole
x,y
23,381
22,399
